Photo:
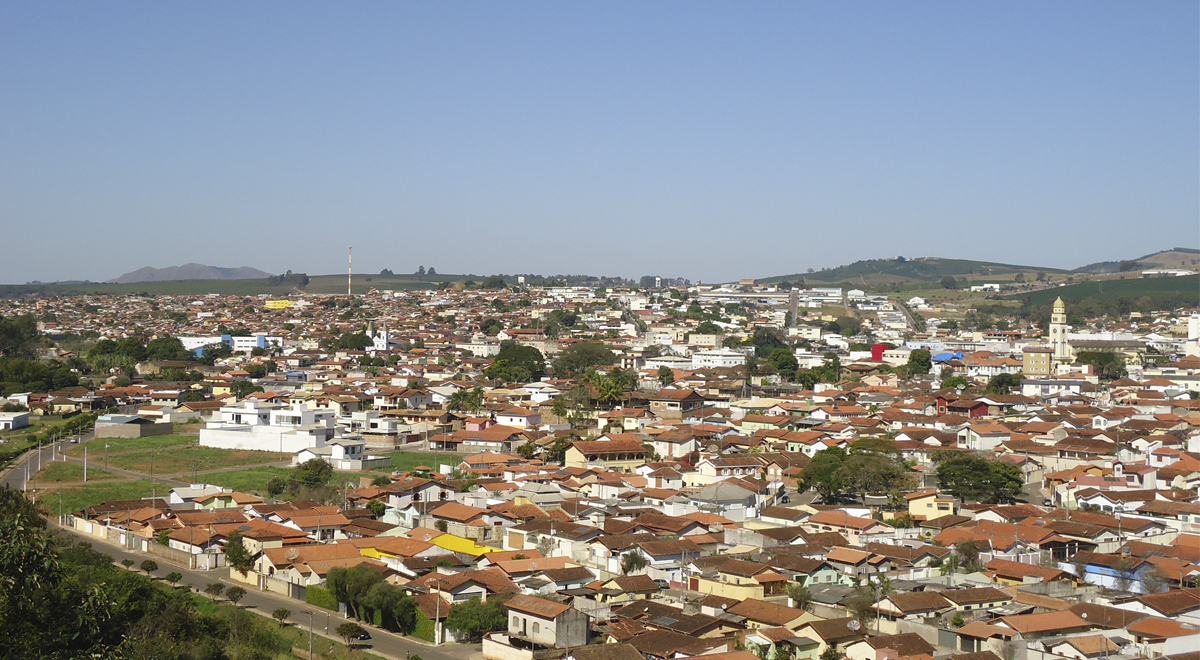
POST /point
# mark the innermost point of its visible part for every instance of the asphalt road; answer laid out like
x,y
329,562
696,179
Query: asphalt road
x,y
383,642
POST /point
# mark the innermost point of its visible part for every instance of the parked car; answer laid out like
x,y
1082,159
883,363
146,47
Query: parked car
x,y
662,584
364,635
785,499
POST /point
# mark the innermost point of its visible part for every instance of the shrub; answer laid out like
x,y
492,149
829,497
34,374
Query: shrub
x,y
320,597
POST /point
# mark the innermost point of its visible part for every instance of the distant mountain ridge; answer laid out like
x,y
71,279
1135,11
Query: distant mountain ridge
x,y
191,271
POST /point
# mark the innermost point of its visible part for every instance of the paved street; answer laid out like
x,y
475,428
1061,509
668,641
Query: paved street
x,y
382,642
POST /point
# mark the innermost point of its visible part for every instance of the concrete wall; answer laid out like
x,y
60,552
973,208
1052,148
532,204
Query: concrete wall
x,y
203,562
133,430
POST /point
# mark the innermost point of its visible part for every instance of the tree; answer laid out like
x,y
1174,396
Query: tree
x,y
215,590
517,363
173,578
665,376
1002,384
441,526
127,563
831,652
821,473
494,282
276,485
474,618
632,561
955,382
149,566
975,479
313,473
800,595
243,388
968,555
348,631
948,282
527,450
919,362
784,361
578,358
234,594
281,615
236,553
377,507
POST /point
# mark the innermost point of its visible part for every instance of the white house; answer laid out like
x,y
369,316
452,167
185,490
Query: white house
x,y
721,357
261,426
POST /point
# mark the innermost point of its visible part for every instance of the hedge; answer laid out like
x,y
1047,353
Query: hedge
x,y
424,628
321,597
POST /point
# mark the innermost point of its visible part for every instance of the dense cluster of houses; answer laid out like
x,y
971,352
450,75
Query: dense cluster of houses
x,y
673,519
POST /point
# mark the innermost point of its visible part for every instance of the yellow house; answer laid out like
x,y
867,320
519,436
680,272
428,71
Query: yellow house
x,y
929,504
623,453
741,580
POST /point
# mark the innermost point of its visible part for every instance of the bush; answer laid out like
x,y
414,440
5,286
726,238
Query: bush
x,y
425,627
320,597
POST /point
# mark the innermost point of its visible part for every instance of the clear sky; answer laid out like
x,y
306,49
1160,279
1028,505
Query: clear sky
x,y
690,139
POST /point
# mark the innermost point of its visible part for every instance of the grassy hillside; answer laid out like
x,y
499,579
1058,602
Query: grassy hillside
x,y
1179,257
1184,289
316,284
887,272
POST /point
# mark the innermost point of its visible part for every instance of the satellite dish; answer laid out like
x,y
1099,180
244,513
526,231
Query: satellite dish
x,y
854,625
292,555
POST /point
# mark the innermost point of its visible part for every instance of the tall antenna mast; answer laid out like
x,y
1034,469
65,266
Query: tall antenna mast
x,y
350,272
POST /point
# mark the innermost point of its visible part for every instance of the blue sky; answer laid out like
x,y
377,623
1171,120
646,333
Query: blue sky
x,y
702,140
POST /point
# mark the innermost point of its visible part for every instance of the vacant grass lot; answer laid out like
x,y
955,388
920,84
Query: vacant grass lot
x,y
96,447
181,460
72,472
75,498
250,480
403,461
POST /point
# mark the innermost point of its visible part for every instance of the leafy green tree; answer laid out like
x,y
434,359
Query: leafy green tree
x,y
955,381
236,553
473,618
127,562
631,562
975,479
244,388
377,507
492,283
174,577
822,472
831,652
281,615
948,282
149,566
784,361
235,594
215,590
166,348
18,334
578,358
1002,384
348,631
919,362
517,363
666,376
314,473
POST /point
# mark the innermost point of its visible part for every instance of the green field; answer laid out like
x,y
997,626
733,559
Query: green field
x,y
180,461
403,461
75,498
317,284
1134,287
250,480
96,447
72,473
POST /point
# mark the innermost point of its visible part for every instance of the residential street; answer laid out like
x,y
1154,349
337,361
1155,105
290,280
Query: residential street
x,y
382,642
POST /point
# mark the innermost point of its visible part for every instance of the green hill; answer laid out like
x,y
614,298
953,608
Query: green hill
x,y
1168,292
1179,257
886,272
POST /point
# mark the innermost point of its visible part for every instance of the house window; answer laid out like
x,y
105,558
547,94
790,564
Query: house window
x,y
536,627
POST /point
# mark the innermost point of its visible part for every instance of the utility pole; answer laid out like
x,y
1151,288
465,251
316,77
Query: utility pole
x,y
85,465
309,613
350,273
